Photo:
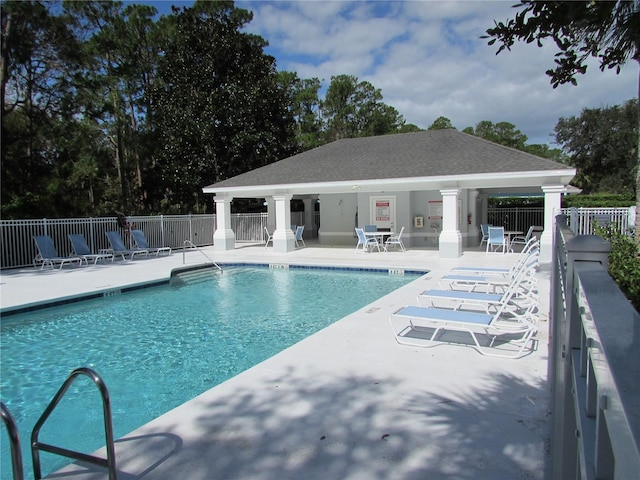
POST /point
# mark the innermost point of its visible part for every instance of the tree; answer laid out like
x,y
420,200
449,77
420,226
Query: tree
x,y
304,104
441,123
608,31
601,144
504,133
220,110
355,109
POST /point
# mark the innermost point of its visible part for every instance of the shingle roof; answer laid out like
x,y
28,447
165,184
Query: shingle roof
x,y
429,153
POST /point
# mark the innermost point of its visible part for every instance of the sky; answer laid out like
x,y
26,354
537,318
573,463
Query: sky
x,y
428,60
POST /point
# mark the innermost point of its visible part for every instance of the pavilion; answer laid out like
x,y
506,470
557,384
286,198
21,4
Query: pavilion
x,y
435,183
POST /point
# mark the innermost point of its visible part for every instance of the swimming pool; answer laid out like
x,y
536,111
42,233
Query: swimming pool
x,y
159,347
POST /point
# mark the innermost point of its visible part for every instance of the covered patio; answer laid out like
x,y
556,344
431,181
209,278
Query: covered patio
x,y
435,184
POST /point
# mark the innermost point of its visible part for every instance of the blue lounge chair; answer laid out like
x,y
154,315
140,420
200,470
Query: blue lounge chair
x,y
532,244
81,249
424,324
519,295
299,239
48,255
142,243
118,248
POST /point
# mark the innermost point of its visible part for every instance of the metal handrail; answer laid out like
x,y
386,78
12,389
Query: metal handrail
x,y
110,461
14,438
190,244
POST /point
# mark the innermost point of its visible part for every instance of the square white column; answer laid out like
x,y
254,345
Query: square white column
x,y
223,238
283,238
450,237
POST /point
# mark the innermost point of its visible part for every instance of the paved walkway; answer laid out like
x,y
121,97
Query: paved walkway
x,y
346,403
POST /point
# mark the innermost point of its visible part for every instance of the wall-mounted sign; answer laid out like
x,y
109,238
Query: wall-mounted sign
x,y
435,209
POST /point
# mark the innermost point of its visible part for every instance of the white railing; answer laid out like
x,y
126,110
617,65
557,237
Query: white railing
x,y
594,364
582,221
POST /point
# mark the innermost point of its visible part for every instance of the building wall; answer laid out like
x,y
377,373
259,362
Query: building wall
x,y
338,217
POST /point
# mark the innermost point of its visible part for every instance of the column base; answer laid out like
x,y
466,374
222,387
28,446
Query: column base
x,y
450,244
224,240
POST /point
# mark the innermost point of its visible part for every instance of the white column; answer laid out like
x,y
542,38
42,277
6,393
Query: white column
x,y
450,237
223,238
552,204
283,238
473,230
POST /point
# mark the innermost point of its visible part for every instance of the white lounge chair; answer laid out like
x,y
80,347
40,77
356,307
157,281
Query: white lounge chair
x,y
533,243
395,240
269,238
118,248
366,242
141,242
518,295
492,281
81,249
48,255
424,325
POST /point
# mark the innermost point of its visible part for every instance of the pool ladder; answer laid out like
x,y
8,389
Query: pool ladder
x,y
190,244
16,456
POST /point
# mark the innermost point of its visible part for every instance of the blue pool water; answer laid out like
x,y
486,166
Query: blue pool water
x,y
159,347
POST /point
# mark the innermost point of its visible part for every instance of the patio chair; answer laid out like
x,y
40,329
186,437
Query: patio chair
x,y
118,248
425,324
484,229
370,228
496,240
48,255
366,242
395,240
141,242
80,248
269,238
522,239
299,239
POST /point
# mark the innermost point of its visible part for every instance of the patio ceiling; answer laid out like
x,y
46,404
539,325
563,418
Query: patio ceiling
x,y
429,160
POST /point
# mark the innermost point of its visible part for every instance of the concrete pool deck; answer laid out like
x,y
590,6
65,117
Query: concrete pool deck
x,y
347,402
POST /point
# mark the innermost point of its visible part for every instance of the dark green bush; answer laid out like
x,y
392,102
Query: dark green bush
x,y
597,200
624,263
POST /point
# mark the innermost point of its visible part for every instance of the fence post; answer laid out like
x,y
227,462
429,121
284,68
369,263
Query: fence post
x,y
566,331
162,230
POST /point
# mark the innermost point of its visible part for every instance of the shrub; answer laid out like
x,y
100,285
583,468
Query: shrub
x,y
624,263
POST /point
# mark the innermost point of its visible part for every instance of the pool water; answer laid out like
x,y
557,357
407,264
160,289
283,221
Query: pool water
x,y
158,347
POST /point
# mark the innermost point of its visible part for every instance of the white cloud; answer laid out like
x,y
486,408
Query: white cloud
x,y
428,60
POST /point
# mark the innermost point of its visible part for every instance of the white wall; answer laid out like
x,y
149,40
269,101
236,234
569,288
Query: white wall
x,y
337,217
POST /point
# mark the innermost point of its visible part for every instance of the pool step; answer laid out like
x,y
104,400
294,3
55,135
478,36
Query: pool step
x,y
193,274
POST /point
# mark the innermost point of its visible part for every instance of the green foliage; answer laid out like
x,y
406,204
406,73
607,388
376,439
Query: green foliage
x,y
624,263
516,202
441,123
607,31
504,133
596,200
602,143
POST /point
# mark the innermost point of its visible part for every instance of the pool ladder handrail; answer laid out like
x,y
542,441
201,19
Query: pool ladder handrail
x,y
190,244
14,439
36,446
